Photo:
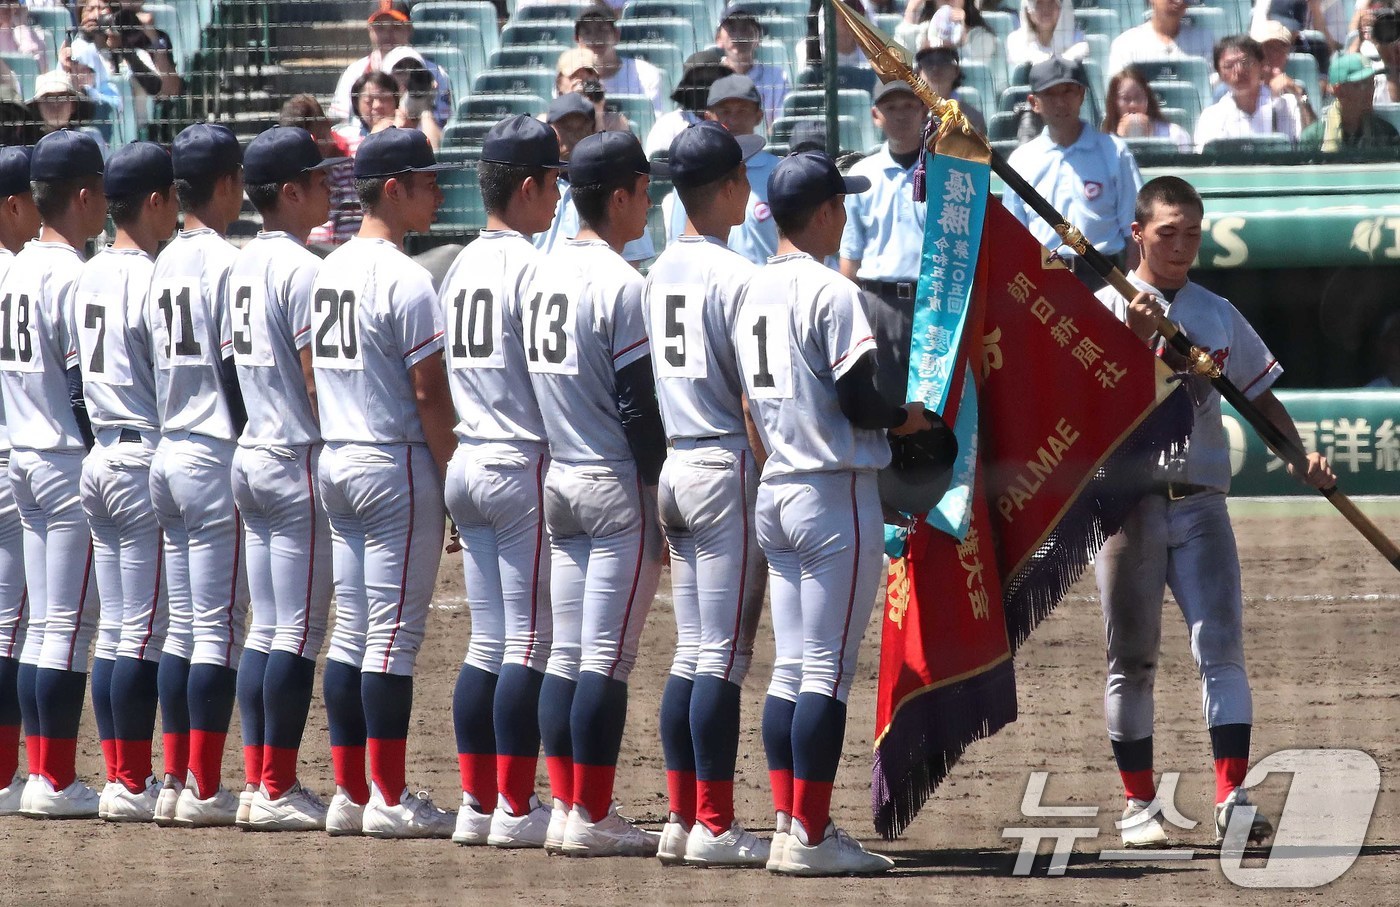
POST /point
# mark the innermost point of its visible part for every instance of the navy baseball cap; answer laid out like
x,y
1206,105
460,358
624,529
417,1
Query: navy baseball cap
x,y
732,87
707,151
204,150
603,154
808,178
569,104
63,155
395,151
14,170
283,153
522,141
138,168
1056,70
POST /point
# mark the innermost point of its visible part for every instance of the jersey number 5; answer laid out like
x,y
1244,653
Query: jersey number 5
x,y
678,330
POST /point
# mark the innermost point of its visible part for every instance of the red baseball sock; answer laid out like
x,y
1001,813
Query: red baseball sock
x,y
386,766
58,758
348,765
279,770
252,764
561,778
109,757
1229,774
478,772
593,788
515,780
1139,785
811,805
680,790
32,747
9,751
175,749
133,764
206,761
715,806
781,782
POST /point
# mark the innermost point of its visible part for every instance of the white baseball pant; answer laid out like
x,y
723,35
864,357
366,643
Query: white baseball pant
x,y
13,599
706,501
287,539
495,493
387,521
127,544
823,533
1189,546
606,557
205,575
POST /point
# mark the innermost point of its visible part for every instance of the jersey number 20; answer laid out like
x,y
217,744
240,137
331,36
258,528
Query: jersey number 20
x,y
337,326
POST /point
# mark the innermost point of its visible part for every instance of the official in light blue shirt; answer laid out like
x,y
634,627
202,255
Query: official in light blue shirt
x,y
1086,175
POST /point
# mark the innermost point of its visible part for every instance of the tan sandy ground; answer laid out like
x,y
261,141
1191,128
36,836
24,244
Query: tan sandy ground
x,y
1322,618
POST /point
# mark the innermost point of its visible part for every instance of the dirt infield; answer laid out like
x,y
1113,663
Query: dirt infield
x,y
1322,620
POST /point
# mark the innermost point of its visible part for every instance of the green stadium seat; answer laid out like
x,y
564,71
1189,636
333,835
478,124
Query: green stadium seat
x,y
793,9
680,32
889,22
458,67
1182,95
1153,151
1002,126
702,15
787,29
550,12
846,77
493,107
967,95
1303,68
56,21
666,57
1390,113
1020,75
465,136
980,77
638,110
539,82
534,57
462,209
1235,16
1180,117
850,102
1183,69
538,34
1098,22
461,36
1254,149
1098,49
1004,147
480,13
1000,22
25,68
774,53
1209,18
855,136
1010,97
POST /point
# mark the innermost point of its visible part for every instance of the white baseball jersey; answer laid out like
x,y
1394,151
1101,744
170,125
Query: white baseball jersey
x,y
114,340
690,303
6,259
800,328
481,301
583,321
374,316
38,345
270,311
190,330
1214,324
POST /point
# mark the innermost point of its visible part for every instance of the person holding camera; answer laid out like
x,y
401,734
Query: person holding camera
x,y
128,41
389,28
417,93
1377,34
578,71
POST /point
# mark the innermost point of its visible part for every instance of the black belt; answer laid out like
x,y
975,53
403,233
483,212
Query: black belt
x,y
899,289
1176,491
129,436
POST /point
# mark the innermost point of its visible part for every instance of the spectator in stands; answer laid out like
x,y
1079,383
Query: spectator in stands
x,y
1350,124
1165,36
1134,112
1248,107
952,23
596,31
417,93
691,96
375,96
19,35
1277,42
389,27
305,111
848,52
1047,28
941,70
737,40
1388,52
1294,15
59,104
128,42
577,71
1088,176
85,66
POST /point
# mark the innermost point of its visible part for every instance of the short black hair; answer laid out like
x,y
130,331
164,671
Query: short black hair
x,y
1245,43
196,194
265,196
53,197
1169,190
791,222
699,198
370,190
592,200
125,209
499,183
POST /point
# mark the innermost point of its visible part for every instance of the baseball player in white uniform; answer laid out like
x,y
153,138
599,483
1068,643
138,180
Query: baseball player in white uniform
x,y
286,535
49,429
386,418
495,492
114,351
706,497
1180,537
19,223
807,359
201,413
587,353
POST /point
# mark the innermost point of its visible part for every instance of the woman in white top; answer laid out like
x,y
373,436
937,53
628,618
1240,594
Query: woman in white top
x,y
949,23
1133,111
1047,28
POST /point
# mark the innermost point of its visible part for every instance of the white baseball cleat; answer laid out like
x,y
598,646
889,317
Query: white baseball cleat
x,y
41,801
777,850
670,848
610,836
12,794
105,798
473,826
836,854
529,830
344,817
1141,825
558,823
296,810
245,806
26,793
413,816
736,847
1260,828
166,801
125,806
217,811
